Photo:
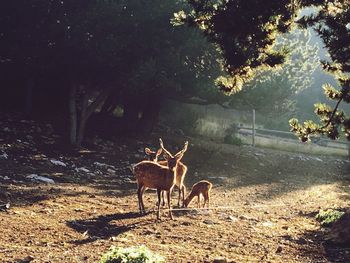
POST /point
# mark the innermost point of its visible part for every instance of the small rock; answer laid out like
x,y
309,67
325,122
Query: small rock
x,y
209,222
56,162
220,260
82,169
4,156
4,207
279,249
36,177
110,171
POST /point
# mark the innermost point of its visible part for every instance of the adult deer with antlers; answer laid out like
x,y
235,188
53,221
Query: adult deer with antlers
x,y
181,171
150,174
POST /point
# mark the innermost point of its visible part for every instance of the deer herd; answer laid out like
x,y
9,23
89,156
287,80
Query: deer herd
x,y
164,175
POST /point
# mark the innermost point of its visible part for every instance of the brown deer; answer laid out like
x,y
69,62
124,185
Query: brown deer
x,y
153,175
153,156
181,171
198,189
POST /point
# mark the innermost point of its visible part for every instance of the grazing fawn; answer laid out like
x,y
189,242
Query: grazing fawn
x,y
153,175
198,189
181,171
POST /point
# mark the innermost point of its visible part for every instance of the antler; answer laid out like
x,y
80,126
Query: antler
x,y
165,150
183,150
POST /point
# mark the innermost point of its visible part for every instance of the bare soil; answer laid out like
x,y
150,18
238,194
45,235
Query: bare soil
x,y
263,201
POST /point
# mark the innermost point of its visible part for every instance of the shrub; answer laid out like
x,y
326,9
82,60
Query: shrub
x,y
230,135
328,217
230,139
139,254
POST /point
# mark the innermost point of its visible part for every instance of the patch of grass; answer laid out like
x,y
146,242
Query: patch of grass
x,y
328,217
139,254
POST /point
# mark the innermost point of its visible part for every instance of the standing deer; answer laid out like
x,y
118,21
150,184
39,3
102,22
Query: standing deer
x,y
198,189
153,175
153,156
181,171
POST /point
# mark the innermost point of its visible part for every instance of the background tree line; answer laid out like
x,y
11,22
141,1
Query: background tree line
x,y
78,62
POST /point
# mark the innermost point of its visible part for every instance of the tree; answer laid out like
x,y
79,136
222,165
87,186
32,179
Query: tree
x,y
244,31
273,92
332,24
96,55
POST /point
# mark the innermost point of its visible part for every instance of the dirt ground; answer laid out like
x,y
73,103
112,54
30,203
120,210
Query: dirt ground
x,y
263,201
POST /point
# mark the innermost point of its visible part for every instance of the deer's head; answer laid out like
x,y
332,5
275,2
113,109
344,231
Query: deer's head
x,y
172,160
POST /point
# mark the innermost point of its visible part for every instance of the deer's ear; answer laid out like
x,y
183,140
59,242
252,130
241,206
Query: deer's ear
x,y
159,152
148,151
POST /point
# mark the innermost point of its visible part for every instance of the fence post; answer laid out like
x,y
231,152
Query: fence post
x,y
253,131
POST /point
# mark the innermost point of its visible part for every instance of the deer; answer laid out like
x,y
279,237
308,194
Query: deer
x,y
153,156
153,175
181,171
201,188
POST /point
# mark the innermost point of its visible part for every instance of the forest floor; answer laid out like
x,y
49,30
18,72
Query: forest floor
x,y
263,201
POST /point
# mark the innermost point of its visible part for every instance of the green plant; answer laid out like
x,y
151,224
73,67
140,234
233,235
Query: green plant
x,y
230,135
328,217
139,254
189,121
231,139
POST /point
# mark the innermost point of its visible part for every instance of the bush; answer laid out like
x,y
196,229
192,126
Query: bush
x,y
230,135
230,139
139,254
328,217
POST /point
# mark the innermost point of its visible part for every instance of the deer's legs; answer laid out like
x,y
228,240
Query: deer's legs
x,y
183,194
169,202
208,198
139,197
159,196
163,202
178,200
142,204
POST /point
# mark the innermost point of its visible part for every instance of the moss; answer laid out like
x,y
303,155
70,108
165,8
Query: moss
x,y
328,217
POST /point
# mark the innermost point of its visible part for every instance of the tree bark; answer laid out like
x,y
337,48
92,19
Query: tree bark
x,y
83,119
29,97
87,110
73,114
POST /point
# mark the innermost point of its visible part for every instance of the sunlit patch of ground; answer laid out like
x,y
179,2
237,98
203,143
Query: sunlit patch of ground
x,y
263,206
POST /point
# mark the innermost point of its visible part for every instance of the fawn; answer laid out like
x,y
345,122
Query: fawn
x,y
181,171
153,175
198,189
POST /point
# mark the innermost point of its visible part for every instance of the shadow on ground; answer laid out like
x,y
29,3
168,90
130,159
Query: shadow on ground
x,y
102,226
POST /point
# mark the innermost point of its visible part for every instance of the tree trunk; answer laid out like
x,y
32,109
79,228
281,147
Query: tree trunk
x,y
73,114
150,116
131,115
83,119
29,97
86,111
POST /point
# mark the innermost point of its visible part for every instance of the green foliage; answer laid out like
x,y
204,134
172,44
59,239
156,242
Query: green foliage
x,y
231,135
331,22
328,217
244,31
188,121
139,254
231,139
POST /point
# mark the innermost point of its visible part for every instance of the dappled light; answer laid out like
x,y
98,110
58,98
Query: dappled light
x,y
175,131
